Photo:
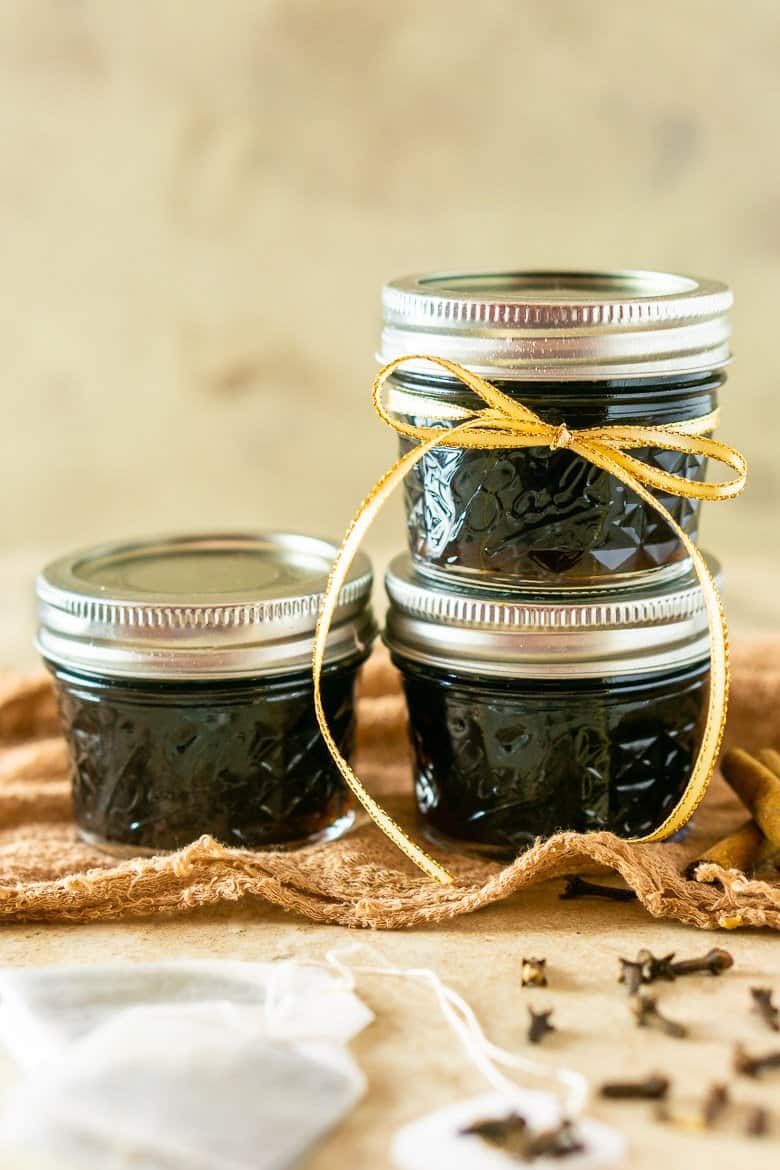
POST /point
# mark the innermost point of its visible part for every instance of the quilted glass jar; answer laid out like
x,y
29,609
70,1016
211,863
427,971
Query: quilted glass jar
x,y
183,674
530,715
584,349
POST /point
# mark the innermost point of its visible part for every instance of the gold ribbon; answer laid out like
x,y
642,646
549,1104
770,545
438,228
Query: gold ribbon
x,y
505,423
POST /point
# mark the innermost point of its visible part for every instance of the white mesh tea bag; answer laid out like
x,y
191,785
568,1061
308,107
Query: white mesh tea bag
x,y
44,1009
202,1065
192,1087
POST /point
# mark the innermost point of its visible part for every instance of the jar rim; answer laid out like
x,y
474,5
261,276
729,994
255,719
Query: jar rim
x,y
198,606
628,630
557,325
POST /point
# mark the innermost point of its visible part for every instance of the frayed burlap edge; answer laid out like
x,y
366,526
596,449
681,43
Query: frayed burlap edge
x,y
204,873
360,881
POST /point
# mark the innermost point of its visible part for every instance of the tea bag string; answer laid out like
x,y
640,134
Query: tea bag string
x,y
488,1058
505,423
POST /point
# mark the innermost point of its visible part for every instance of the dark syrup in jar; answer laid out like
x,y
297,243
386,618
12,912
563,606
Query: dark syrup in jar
x,y
155,765
540,516
500,762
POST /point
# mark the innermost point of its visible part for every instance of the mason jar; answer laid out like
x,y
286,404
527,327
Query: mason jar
x,y
530,714
585,349
183,672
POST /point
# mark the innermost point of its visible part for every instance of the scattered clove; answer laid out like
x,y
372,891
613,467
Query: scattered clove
x,y
631,975
533,973
645,1010
539,1025
559,1142
754,1066
762,1004
647,967
653,1088
714,1104
512,1136
715,962
653,968
579,887
757,1124
509,1133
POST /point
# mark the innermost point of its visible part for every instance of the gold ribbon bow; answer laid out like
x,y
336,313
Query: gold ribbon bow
x,y
503,422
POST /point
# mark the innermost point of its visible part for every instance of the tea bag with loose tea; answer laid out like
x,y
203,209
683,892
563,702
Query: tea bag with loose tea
x,y
511,1127
496,1132
203,1066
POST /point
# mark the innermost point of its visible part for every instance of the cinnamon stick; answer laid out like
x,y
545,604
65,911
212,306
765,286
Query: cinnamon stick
x,y
758,787
740,850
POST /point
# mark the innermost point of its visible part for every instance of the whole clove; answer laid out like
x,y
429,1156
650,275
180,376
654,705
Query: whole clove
x,y
512,1136
645,1011
509,1133
757,1124
579,887
758,787
630,975
739,850
647,967
652,1088
533,973
714,1104
539,1025
653,968
753,1066
763,1006
559,1142
715,962
705,1116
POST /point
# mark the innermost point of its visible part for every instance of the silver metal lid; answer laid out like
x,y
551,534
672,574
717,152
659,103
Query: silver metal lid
x,y
219,605
533,635
562,326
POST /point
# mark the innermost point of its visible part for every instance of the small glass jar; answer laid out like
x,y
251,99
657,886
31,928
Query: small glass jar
x,y
183,673
587,349
530,714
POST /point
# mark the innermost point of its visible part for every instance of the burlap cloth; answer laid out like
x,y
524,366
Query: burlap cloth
x,y
361,880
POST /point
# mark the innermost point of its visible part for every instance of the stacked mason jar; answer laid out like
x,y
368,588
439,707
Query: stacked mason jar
x,y
549,627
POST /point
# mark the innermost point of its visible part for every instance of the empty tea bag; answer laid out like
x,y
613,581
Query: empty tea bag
x,y
201,1064
309,1001
198,1086
45,1009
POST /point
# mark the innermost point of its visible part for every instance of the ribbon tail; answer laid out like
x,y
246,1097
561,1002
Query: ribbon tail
x,y
717,704
362,520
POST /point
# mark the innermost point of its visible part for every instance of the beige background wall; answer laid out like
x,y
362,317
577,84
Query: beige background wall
x,y
199,202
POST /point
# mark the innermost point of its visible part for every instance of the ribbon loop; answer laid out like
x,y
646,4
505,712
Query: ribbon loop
x,y
503,422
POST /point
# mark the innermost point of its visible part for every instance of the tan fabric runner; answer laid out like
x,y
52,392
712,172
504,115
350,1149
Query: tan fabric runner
x,y
362,880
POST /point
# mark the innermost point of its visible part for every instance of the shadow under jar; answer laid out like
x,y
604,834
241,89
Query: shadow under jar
x,y
183,676
584,349
529,715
